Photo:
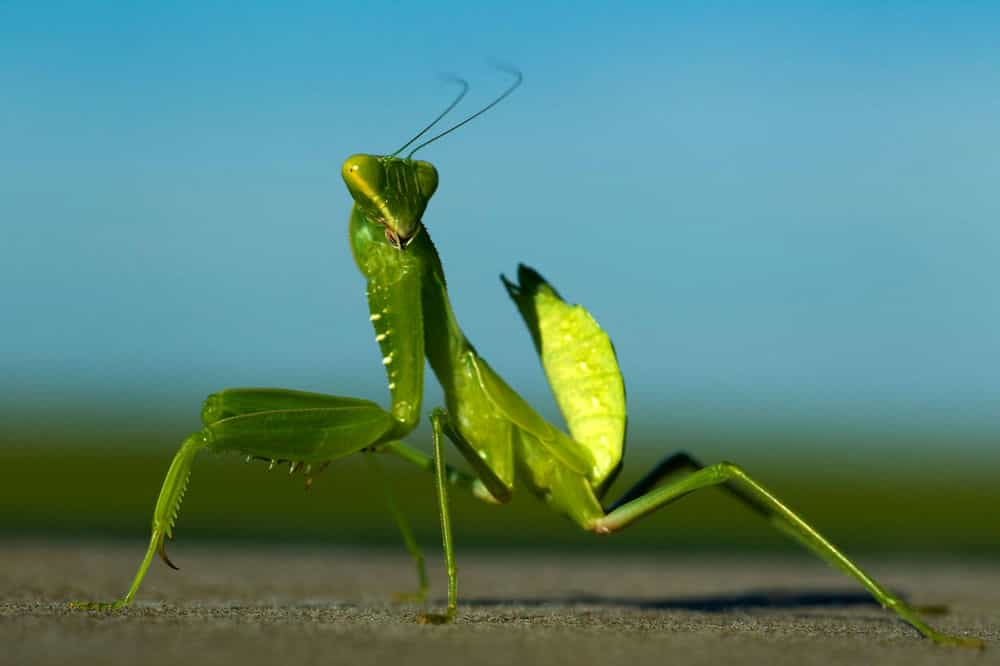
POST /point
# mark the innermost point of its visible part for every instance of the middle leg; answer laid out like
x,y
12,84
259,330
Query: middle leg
x,y
439,424
404,529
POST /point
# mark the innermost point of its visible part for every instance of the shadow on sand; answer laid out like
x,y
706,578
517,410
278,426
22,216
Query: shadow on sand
x,y
752,599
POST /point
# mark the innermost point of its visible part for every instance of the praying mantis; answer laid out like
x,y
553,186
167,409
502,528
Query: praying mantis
x,y
502,438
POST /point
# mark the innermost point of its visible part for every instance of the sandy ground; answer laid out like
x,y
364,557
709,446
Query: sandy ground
x,y
257,605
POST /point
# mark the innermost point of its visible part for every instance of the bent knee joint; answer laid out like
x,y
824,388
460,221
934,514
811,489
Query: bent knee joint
x,y
726,471
212,410
601,527
440,420
406,416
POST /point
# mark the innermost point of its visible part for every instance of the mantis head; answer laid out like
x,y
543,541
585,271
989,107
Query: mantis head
x,y
392,192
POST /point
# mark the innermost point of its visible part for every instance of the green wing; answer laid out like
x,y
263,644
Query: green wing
x,y
516,410
580,364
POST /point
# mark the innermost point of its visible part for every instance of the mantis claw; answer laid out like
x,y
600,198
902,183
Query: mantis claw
x,y
98,605
161,550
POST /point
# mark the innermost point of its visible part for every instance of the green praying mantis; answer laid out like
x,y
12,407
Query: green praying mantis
x,y
503,439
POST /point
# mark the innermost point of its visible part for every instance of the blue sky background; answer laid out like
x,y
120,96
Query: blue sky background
x,y
783,214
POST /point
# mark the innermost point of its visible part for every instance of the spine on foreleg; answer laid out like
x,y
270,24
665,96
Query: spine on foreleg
x,y
396,319
396,313
168,504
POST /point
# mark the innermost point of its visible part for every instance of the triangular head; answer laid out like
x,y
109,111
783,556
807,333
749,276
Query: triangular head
x,y
391,191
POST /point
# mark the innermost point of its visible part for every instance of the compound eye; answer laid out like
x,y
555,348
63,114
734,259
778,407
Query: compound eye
x,y
427,178
364,175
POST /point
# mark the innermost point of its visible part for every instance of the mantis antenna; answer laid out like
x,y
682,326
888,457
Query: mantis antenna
x,y
465,89
475,115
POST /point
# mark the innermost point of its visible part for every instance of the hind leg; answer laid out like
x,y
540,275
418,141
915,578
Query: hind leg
x,y
728,475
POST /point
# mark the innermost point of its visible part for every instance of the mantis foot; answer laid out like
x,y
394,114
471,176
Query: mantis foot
x,y
909,614
957,641
435,618
99,605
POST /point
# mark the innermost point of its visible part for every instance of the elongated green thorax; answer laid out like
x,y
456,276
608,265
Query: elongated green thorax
x,y
391,192
390,196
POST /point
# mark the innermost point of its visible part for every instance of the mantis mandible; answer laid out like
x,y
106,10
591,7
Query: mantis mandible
x,y
499,434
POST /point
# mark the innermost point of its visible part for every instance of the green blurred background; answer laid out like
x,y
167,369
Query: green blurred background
x,y
105,486
784,214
